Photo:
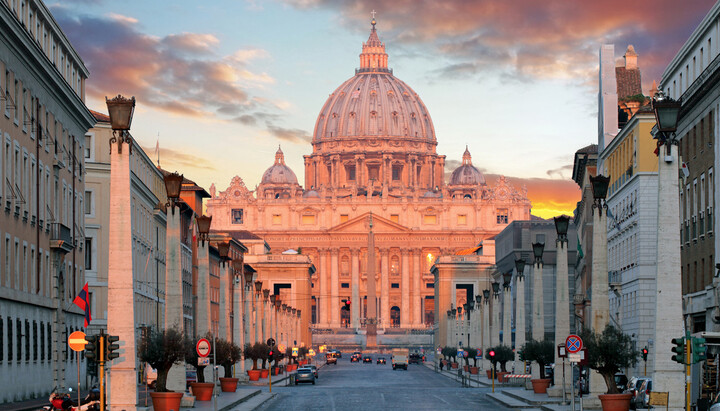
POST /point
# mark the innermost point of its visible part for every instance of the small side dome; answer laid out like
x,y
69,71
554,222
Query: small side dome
x,y
279,173
430,194
311,194
467,174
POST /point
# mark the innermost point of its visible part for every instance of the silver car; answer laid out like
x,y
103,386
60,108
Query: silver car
x,y
304,374
634,388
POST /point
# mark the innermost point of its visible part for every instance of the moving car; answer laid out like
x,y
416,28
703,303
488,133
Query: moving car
x,y
355,357
381,360
415,358
304,374
400,358
633,388
330,359
314,368
367,359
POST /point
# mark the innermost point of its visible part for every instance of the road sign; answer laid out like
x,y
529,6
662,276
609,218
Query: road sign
x,y
294,351
271,341
76,341
311,352
281,347
203,347
573,343
203,361
577,357
562,351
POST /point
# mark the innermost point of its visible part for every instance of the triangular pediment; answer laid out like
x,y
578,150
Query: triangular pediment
x,y
359,224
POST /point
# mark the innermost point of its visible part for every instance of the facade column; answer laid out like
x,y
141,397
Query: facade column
x,y
496,323
324,293
202,313
405,319
247,319
121,293
225,297
486,340
520,328
538,319
176,379
257,311
507,315
237,328
600,302
355,303
384,288
668,301
263,315
562,318
334,289
416,296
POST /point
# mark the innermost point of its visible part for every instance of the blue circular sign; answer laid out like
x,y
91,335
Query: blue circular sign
x,y
573,343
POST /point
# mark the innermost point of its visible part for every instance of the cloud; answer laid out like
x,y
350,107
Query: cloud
x,y
560,172
549,197
527,38
292,135
171,158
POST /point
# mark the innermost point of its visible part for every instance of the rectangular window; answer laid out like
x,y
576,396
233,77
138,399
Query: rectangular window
x,y
49,342
88,253
430,219
396,172
18,338
394,285
462,219
540,238
42,341
502,215
344,218
27,340
344,285
88,144
237,215
395,218
277,219
350,171
373,172
308,219
429,285
88,202
2,341
10,339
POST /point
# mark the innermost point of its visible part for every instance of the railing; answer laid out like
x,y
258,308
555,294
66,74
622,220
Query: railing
x,y
61,237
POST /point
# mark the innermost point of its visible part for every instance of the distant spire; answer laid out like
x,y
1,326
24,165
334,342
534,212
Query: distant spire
x,y
467,158
279,156
631,58
653,89
373,56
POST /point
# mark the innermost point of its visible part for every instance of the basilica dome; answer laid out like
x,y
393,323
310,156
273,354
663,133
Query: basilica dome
x,y
467,174
374,103
279,173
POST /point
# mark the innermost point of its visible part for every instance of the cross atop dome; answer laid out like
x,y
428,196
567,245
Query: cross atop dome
x,y
373,57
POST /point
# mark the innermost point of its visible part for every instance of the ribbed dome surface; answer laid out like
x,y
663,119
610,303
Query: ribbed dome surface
x,y
466,173
279,173
374,104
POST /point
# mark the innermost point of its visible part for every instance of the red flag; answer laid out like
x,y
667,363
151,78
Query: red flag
x,y
83,301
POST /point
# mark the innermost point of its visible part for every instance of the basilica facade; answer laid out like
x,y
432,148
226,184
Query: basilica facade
x,y
373,155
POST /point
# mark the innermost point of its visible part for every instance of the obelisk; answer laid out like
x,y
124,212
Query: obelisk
x,y
371,320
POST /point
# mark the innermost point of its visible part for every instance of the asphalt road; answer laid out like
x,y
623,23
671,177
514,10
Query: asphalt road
x,y
359,386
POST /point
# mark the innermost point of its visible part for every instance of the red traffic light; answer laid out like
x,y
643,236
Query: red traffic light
x,y
644,350
271,353
492,353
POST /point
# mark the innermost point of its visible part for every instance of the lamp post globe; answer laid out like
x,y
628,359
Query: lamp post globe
x,y
520,267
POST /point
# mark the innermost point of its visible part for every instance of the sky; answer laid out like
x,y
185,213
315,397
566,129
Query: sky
x,y
220,84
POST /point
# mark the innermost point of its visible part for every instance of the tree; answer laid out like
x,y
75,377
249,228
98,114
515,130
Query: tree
x,y
608,352
503,354
162,349
227,355
263,352
253,351
288,353
542,352
472,353
303,351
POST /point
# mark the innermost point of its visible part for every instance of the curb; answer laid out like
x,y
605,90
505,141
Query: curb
x,y
240,401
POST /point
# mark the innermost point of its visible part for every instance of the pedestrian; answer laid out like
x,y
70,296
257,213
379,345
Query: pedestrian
x,y
441,365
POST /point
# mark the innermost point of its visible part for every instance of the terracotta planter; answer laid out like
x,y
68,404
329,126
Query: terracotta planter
x,y
489,374
540,386
474,370
291,367
228,384
444,362
166,401
264,373
465,368
202,390
275,370
302,362
615,402
454,365
254,375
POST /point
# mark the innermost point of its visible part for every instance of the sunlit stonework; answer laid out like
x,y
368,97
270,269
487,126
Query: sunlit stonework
x,y
374,151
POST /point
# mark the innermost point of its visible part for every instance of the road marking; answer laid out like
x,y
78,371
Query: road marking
x,y
441,399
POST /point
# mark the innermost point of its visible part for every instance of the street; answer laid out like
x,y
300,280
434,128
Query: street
x,y
357,386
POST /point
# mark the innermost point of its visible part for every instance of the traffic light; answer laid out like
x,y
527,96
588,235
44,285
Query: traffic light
x,y
699,350
91,348
347,304
491,354
679,350
644,353
111,342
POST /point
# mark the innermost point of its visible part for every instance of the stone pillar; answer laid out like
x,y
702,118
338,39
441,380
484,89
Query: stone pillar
x,y
562,319
355,303
247,320
225,298
237,332
520,328
262,308
416,296
323,295
506,316
496,322
600,303
384,288
668,297
257,314
202,313
121,295
334,291
538,312
486,340
405,320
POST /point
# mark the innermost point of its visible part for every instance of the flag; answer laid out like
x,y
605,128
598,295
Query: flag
x,y
579,249
83,301
157,150
193,224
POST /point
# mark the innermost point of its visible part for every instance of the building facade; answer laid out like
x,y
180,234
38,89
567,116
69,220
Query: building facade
x,y
632,230
43,119
374,152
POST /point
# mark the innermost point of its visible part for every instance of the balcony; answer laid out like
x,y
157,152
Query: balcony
x,y
61,238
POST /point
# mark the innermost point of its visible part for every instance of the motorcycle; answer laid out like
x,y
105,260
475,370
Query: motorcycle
x,y
61,401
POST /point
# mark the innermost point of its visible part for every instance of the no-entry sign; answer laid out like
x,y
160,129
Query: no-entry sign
x,y
203,347
76,341
573,344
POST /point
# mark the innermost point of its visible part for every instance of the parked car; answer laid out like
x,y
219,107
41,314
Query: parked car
x,y
190,376
621,380
314,368
367,359
380,360
415,358
645,390
304,374
633,388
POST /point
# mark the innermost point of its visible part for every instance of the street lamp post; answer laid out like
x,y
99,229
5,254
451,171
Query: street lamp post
x,y
238,334
283,324
203,322
258,311
225,291
247,313
562,307
486,338
265,315
668,302
538,320
507,309
121,291
520,307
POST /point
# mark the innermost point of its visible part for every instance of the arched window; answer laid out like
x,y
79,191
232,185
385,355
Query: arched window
x,y
395,316
394,265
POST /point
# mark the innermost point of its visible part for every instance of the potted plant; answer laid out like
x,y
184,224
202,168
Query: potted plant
x,y
608,352
227,355
446,356
542,352
251,351
162,349
503,354
302,352
452,353
264,352
274,359
201,390
292,361
472,353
